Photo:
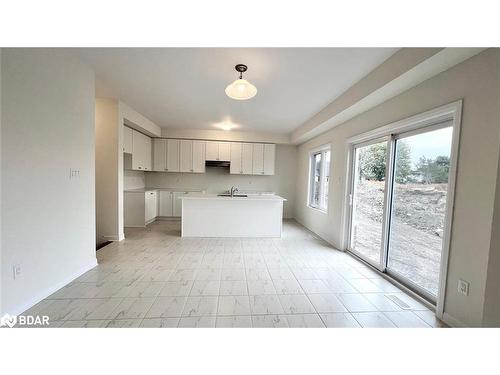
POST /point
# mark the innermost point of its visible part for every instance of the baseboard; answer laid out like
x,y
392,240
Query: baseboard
x,y
22,308
321,235
168,218
452,321
120,237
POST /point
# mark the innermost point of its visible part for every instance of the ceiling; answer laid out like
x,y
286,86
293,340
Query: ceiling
x,y
184,87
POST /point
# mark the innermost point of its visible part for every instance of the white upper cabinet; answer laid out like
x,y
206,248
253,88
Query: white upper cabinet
x,y
247,158
235,166
173,155
189,156
186,156
159,155
224,151
258,158
218,151
127,140
212,152
269,158
199,156
241,158
141,151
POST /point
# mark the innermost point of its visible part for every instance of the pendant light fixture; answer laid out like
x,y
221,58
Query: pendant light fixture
x,y
241,89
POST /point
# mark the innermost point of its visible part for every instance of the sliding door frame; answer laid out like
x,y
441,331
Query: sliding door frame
x,y
450,112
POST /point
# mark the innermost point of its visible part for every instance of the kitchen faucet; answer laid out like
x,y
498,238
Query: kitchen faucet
x,y
233,190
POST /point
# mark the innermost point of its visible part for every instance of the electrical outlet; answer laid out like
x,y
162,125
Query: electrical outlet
x,y
16,271
463,287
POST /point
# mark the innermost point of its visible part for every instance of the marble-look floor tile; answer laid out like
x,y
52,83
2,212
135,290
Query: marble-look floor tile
x,y
381,302
373,320
142,289
430,318
287,287
265,304
233,274
200,306
197,322
122,323
183,275
176,288
406,319
233,288
365,286
239,321
303,321
356,303
205,288
296,304
281,274
339,320
324,303
132,308
160,323
233,305
314,286
269,321
259,287
167,307
83,323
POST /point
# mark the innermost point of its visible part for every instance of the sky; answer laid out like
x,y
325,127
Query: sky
x,y
430,144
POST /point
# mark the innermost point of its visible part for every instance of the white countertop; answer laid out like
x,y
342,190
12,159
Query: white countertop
x,y
146,189
251,197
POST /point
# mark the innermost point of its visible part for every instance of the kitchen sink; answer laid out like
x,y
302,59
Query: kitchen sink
x,y
234,195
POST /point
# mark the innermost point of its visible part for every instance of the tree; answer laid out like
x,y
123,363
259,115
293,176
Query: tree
x,y
403,162
373,162
433,171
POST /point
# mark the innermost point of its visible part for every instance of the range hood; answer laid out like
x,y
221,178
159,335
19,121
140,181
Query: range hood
x,y
217,163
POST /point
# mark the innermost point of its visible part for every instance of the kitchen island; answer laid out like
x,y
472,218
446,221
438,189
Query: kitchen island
x,y
210,215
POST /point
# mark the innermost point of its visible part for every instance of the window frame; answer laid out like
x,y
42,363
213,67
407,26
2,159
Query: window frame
x,y
323,185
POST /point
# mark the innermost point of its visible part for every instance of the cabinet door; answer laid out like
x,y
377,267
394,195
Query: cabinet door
x,y
159,155
269,157
212,151
172,155
177,203
165,204
127,140
235,166
246,158
138,150
186,156
224,151
150,205
258,159
199,156
147,154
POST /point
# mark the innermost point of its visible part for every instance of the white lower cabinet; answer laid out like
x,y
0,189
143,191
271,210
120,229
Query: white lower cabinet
x,y
165,204
140,208
177,203
151,206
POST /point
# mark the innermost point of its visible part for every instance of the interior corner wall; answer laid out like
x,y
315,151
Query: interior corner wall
x,y
107,180
477,82
491,313
48,219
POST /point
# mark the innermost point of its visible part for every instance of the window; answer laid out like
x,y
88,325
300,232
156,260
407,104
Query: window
x,y
319,178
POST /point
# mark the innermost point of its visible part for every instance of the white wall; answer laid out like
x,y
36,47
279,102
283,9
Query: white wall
x,y
107,156
217,180
48,220
133,179
476,81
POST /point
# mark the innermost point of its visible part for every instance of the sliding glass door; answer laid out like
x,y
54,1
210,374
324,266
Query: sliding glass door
x,y
417,220
398,203
367,199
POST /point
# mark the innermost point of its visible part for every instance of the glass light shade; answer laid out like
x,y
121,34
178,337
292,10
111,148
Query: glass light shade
x,y
241,89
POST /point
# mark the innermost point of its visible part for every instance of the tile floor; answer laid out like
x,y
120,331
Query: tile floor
x,y
156,279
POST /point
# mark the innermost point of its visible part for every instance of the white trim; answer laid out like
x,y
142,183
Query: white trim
x,y
323,149
120,237
47,292
449,112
